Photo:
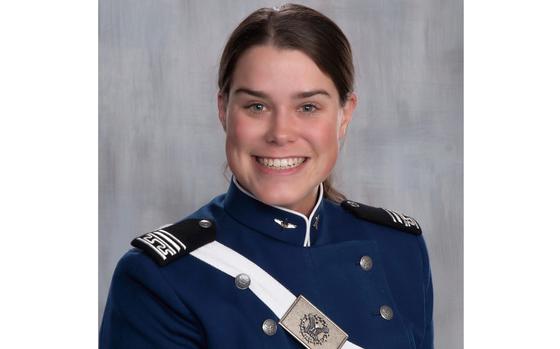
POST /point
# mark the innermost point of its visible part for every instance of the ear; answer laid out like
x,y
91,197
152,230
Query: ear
x,y
222,107
347,111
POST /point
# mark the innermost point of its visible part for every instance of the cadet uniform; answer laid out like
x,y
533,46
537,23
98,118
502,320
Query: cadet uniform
x,y
242,274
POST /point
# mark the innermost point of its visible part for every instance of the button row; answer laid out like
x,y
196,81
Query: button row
x,y
269,326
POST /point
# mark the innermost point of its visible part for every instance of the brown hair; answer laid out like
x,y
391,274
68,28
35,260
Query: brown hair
x,y
293,26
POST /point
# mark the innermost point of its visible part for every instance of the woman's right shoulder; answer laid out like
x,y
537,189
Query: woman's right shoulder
x,y
170,243
143,305
160,259
134,260
154,250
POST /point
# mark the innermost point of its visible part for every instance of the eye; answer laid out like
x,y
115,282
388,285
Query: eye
x,y
309,108
256,107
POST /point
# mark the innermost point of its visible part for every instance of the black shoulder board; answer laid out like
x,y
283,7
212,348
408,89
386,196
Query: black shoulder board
x,y
383,216
168,243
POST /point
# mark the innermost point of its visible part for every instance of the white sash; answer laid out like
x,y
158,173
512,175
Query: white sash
x,y
271,292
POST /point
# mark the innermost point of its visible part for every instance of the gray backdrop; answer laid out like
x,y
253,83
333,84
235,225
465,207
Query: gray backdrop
x,y
161,150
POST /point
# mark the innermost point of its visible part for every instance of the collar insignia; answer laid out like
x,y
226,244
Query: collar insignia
x,y
285,224
316,222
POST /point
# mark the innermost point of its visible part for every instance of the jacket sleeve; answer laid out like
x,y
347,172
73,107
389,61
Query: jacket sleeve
x,y
143,311
428,338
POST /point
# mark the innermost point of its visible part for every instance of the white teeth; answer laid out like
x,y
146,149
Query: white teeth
x,y
280,164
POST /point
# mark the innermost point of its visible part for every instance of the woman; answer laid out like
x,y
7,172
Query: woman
x,y
282,260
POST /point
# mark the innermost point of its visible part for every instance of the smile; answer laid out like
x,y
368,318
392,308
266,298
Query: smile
x,y
281,163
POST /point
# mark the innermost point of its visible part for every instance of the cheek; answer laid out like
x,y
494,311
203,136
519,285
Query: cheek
x,y
325,141
243,138
240,133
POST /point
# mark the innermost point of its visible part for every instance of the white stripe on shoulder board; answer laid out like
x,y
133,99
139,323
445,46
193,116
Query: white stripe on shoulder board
x,y
398,215
173,237
391,214
152,247
403,218
168,239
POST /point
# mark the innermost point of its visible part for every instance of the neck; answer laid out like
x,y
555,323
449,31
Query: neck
x,y
307,207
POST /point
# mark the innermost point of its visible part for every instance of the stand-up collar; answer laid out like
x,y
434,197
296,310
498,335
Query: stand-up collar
x,y
278,222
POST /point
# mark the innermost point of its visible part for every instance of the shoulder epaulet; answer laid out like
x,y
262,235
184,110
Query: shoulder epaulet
x,y
383,216
169,243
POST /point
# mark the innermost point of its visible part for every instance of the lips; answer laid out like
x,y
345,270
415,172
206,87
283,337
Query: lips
x,y
281,163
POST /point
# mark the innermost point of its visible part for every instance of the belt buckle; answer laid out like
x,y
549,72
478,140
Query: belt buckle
x,y
311,327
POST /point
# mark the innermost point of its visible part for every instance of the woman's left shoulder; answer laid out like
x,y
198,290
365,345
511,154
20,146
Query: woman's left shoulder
x,y
397,235
383,216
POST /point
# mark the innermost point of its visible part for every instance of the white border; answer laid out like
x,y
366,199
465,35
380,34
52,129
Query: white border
x,y
48,145
512,149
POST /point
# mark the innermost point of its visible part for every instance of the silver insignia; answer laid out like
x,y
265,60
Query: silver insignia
x,y
352,203
314,329
316,222
158,244
311,327
402,219
285,224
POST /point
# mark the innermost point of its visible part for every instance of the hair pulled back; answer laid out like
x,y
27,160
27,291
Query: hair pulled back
x,y
301,28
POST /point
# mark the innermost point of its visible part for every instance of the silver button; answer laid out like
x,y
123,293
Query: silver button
x,y
242,281
269,327
353,204
366,263
386,312
204,223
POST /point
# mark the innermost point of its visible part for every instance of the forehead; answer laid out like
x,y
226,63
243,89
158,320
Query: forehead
x,y
277,70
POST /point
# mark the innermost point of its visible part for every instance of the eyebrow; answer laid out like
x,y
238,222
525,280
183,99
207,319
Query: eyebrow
x,y
299,95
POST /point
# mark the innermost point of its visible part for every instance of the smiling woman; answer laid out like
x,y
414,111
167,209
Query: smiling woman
x,y
284,124
282,260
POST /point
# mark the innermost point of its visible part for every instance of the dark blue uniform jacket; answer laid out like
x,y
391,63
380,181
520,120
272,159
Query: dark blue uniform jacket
x,y
190,304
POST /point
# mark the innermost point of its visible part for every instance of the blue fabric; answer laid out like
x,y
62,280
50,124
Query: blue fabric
x,y
190,304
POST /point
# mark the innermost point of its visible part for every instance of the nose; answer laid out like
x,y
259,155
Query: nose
x,y
282,128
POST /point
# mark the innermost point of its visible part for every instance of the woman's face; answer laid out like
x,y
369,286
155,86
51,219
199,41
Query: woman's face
x,y
283,124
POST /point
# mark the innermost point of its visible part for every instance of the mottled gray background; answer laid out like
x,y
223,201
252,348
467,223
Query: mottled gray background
x,y
161,147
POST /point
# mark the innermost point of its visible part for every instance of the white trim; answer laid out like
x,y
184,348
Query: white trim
x,y
307,240
392,215
173,237
166,238
271,292
153,248
400,217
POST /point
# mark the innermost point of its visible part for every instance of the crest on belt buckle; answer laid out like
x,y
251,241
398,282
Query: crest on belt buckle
x,y
311,327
